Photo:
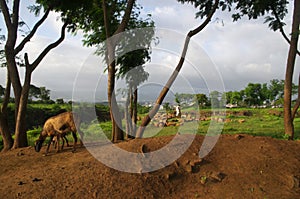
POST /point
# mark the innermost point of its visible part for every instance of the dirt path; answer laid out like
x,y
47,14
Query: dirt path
x,y
238,167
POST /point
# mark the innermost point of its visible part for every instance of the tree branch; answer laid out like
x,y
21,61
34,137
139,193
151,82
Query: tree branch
x,y
105,17
6,14
146,120
15,15
126,17
281,29
32,32
49,47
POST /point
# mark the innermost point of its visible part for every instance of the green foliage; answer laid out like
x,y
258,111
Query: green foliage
x,y
253,94
143,109
274,11
202,100
167,107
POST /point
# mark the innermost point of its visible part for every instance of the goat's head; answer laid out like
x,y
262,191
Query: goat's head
x,y
38,145
39,142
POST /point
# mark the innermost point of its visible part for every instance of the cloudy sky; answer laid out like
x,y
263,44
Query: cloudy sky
x,y
226,55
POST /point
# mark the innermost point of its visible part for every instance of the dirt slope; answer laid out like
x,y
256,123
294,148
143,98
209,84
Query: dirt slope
x,y
238,167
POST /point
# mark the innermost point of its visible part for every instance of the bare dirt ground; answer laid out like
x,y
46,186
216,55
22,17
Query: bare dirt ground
x,y
238,167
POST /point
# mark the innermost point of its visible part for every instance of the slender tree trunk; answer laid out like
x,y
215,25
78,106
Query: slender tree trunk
x,y
134,110
20,133
146,120
126,117
296,107
117,133
129,131
14,76
288,122
4,129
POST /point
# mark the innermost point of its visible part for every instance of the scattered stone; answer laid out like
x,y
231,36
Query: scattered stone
x,y
239,137
95,194
228,120
217,176
176,164
20,153
170,176
189,168
21,183
196,162
241,121
296,182
36,180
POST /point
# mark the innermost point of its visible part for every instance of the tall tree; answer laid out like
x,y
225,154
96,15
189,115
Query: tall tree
x,y
201,100
276,89
276,11
288,116
207,10
12,49
102,20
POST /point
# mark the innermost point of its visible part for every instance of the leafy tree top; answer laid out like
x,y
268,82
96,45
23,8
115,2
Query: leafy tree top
x,y
273,10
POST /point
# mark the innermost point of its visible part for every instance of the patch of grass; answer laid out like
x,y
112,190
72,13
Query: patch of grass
x,y
32,135
96,131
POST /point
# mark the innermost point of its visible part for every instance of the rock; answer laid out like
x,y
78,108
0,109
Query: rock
x,y
227,120
196,162
239,137
217,176
296,183
20,153
95,194
21,183
241,121
36,180
189,168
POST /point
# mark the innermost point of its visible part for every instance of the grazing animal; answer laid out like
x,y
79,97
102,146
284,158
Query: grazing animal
x,y
58,126
64,138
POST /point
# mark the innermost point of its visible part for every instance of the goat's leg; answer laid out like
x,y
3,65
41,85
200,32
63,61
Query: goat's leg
x,y
49,143
67,141
81,137
75,141
58,136
63,142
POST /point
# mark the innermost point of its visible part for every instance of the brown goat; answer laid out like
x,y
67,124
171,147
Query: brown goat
x,y
58,126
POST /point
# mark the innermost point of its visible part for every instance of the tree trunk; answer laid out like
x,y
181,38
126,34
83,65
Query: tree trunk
x,y
13,75
146,120
20,133
134,110
4,130
129,132
126,117
297,105
288,122
117,133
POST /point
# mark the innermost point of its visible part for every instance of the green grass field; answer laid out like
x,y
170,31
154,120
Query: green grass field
x,y
262,123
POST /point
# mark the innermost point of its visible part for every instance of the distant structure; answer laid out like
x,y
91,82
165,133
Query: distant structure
x,y
178,111
231,106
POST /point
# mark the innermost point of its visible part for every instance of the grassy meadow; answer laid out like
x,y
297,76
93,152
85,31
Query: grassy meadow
x,y
260,122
